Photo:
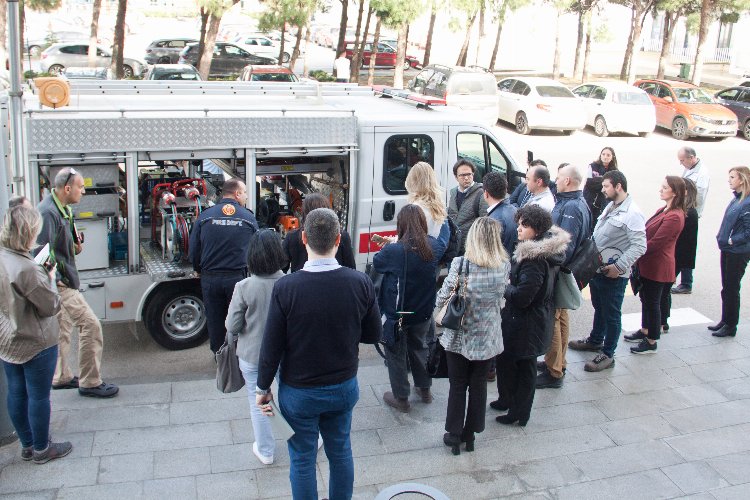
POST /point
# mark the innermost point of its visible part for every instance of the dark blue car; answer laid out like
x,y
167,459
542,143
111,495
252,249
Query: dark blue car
x,y
737,99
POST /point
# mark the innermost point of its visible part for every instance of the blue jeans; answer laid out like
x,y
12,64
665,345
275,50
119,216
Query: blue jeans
x,y
607,295
262,429
686,276
29,408
327,410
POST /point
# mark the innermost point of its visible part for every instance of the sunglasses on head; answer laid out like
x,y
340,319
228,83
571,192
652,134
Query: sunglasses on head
x,y
70,174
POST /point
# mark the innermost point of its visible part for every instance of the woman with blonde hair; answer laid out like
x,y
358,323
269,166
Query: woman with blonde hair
x,y
425,192
734,243
471,350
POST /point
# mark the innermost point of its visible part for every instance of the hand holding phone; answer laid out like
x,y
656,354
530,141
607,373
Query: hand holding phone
x,y
379,240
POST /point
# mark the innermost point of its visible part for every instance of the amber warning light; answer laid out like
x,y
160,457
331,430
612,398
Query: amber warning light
x,y
53,92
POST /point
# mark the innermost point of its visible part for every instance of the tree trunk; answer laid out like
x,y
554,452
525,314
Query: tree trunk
x,y
357,58
556,58
625,69
706,19
376,39
119,42
670,19
461,61
94,33
282,42
307,46
398,73
341,45
297,43
204,63
587,53
354,74
430,30
202,39
579,43
636,49
481,32
500,22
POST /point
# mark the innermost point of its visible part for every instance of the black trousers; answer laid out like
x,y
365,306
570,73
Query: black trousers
x,y
733,267
463,374
217,290
518,384
655,306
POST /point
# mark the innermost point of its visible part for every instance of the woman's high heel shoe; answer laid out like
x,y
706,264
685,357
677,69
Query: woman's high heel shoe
x,y
510,420
453,441
468,438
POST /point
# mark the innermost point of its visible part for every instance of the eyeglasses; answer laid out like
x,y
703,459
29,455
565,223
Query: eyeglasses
x,y
70,174
464,175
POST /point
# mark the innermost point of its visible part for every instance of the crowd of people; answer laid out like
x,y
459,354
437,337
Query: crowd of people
x,y
276,297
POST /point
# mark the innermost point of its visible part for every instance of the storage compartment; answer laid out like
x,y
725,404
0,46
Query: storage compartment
x,y
93,175
95,242
95,294
96,206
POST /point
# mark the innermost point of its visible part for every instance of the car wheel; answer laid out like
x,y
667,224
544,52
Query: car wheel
x,y
407,65
644,134
176,317
600,127
746,130
35,50
55,69
164,60
680,129
285,58
522,124
127,71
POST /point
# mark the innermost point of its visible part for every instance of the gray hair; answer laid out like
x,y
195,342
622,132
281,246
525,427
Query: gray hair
x,y
573,172
21,227
321,229
64,177
689,152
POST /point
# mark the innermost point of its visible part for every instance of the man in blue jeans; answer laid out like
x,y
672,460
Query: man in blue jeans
x,y
620,236
317,318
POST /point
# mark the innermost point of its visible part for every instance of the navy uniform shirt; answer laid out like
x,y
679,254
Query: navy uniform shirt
x,y
220,237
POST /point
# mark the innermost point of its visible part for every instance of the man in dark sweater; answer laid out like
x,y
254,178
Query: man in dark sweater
x,y
317,318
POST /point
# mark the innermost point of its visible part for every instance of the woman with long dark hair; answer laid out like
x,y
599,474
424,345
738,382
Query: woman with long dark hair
x,y
407,295
592,191
656,267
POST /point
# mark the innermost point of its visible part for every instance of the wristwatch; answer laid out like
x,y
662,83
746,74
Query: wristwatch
x,y
261,392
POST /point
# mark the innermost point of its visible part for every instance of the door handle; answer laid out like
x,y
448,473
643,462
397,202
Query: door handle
x,y
389,210
98,284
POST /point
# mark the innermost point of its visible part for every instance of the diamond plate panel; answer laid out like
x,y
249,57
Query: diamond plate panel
x,y
63,134
160,269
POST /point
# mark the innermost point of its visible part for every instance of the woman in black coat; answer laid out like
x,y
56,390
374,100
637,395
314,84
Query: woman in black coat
x,y
687,243
295,251
592,191
529,312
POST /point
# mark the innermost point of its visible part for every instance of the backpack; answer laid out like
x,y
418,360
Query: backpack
x,y
451,251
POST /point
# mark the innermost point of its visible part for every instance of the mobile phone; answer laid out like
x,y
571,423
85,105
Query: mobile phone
x,y
529,156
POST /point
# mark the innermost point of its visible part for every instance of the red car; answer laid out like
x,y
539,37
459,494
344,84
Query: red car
x,y
386,56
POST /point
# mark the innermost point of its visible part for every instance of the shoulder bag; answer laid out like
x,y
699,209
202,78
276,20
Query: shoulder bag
x,y
585,263
451,315
567,294
228,374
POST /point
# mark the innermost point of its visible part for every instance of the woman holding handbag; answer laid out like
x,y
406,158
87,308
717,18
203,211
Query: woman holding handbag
x,y
480,275
407,299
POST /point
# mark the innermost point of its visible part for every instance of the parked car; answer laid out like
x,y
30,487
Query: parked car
x,y
687,110
617,107
534,103
35,44
86,73
179,72
252,73
744,83
737,99
166,50
469,89
386,56
228,59
261,45
59,56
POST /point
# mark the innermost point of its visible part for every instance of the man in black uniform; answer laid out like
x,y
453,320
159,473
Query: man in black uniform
x,y
218,251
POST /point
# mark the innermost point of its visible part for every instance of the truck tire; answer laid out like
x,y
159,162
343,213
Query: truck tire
x,y
175,316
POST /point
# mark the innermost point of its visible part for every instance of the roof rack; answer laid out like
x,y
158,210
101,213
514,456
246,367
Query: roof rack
x,y
419,100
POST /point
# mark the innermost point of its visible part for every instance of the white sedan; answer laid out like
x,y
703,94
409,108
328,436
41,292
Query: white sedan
x,y
532,103
617,107
263,46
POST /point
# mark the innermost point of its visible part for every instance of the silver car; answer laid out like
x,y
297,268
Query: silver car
x,y
62,55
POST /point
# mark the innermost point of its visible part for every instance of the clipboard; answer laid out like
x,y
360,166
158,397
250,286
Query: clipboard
x,y
280,427
43,256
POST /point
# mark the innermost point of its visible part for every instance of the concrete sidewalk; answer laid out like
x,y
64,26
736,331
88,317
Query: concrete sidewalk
x,y
673,424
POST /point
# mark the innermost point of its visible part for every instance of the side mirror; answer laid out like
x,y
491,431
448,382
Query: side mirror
x,y
669,98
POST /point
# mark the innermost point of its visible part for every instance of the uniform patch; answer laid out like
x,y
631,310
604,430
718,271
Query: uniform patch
x,y
228,209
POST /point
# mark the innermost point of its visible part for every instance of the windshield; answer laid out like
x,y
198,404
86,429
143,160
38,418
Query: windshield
x,y
631,98
553,91
176,75
474,84
692,96
273,77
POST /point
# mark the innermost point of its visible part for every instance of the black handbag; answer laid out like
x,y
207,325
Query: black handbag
x,y
437,361
451,315
585,263
635,279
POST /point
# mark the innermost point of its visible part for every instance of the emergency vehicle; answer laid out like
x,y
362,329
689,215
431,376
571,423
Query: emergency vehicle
x,y
145,149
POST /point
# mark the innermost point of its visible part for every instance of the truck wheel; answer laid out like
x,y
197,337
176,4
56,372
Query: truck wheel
x,y
175,316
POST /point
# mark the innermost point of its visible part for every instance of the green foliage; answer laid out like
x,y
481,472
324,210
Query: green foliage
x,y
729,17
30,74
42,5
396,12
602,34
279,12
215,7
321,76
693,23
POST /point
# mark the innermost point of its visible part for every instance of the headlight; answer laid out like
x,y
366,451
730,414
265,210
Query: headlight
x,y
700,118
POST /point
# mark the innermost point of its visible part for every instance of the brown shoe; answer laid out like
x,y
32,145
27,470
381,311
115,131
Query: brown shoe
x,y
424,393
584,345
401,405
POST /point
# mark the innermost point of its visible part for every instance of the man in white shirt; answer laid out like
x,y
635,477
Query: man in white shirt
x,y
342,67
537,182
694,171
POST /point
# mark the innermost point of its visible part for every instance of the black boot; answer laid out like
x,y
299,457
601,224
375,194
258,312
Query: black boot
x,y
468,438
725,331
718,326
454,441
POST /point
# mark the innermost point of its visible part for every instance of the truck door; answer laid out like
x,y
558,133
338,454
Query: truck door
x,y
484,150
382,192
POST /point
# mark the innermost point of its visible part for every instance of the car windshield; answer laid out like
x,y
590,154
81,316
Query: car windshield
x,y
692,96
553,91
631,98
474,84
175,75
273,77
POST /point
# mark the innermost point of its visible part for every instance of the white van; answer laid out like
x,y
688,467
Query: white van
x,y
131,140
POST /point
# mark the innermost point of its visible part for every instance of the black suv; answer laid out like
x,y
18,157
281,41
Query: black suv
x,y
228,59
166,50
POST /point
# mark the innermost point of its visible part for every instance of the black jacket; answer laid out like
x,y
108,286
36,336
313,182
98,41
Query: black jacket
x,y
296,253
529,313
687,243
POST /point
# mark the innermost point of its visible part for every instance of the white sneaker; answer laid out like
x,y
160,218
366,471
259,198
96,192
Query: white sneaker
x,y
263,459
320,441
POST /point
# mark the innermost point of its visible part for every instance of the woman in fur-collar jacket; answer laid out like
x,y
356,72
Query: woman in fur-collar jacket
x,y
528,316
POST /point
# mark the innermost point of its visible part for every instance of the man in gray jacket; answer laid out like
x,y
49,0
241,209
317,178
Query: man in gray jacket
x,y
620,236
467,201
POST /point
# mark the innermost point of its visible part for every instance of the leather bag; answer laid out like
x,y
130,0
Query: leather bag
x,y
451,315
585,263
437,361
228,374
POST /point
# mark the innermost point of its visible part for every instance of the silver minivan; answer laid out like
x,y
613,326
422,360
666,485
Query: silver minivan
x,y
472,89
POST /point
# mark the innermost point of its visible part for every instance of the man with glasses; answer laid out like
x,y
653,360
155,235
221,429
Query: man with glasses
x,y
467,201
59,231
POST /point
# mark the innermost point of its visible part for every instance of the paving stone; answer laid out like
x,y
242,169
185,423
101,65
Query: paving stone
x,y
547,473
229,485
733,389
638,429
683,340
643,382
739,492
175,487
123,491
55,474
161,438
129,395
242,430
236,457
115,417
733,467
219,410
367,396
710,416
698,395
694,477
723,351
408,437
365,493
186,462
201,390
684,375
575,371
712,443
82,442
372,417
636,405
124,468
611,462
564,416
274,482
646,484
31,495
711,372
742,364
483,484
642,364
576,392
364,443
